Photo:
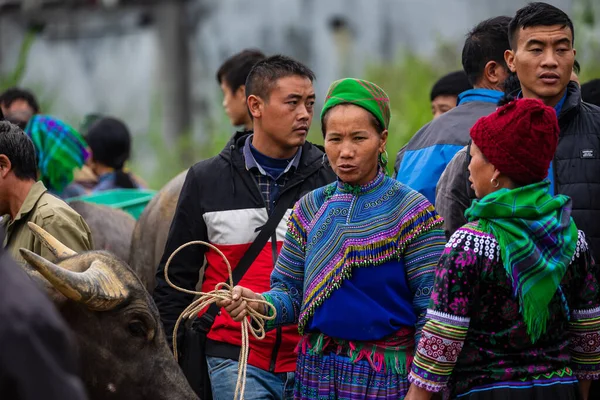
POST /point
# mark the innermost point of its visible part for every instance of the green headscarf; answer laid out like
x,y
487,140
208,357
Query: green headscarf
x,y
361,93
60,149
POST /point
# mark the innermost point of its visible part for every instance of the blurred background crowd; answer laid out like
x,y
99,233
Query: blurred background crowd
x,y
152,63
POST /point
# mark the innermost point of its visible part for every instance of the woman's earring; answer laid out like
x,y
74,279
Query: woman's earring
x,y
383,159
496,184
323,161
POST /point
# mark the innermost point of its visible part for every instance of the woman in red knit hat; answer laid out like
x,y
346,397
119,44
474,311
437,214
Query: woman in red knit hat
x,y
514,312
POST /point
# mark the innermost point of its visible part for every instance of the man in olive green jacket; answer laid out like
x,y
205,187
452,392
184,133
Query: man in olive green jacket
x,y
23,200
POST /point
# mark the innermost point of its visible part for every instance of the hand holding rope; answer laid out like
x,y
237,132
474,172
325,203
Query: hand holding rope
x,y
224,292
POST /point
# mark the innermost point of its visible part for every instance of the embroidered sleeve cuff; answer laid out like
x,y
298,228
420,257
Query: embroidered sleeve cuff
x,y
441,342
285,310
585,343
431,386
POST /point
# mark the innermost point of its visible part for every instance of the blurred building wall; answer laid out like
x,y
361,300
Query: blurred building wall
x,y
110,61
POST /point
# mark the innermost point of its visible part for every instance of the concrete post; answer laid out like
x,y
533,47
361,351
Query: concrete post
x,y
174,63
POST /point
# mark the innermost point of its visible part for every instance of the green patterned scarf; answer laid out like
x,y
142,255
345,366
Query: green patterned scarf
x,y
59,149
537,239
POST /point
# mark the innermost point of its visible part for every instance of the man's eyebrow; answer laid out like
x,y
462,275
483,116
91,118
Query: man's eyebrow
x,y
297,96
540,42
564,40
534,41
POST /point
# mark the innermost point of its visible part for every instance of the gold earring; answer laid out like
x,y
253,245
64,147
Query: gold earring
x,y
495,185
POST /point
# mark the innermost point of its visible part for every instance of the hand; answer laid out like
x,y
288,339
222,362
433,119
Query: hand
x,y
584,389
237,307
417,393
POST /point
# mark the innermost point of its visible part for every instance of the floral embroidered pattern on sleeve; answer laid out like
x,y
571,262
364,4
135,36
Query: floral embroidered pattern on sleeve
x,y
584,325
585,343
441,343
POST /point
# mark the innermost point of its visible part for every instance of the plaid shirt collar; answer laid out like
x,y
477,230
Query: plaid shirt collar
x,y
252,164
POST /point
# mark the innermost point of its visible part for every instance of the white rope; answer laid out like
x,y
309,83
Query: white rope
x,y
223,291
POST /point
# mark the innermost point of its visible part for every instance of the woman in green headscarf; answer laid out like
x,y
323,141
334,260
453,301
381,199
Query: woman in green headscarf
x,y
514,312
356,267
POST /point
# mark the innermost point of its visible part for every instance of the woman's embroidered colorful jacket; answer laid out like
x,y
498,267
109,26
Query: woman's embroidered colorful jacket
x,y
475,338
357,262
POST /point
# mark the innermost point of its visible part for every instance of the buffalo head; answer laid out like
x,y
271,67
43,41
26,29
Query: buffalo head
x,y
121,343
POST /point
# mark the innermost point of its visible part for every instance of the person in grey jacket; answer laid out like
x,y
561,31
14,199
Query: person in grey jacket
x,y
37,360
542,56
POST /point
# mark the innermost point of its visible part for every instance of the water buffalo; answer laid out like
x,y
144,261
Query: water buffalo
x,y
111,228
121,342
151,231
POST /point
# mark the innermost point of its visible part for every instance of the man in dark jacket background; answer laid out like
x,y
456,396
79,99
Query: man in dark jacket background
x,y
37,360
542,55
590,92
225,200
231,77
423,159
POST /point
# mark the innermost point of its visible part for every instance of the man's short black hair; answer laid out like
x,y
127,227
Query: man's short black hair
x,y
265,74
451,84
19,149
590,92
13,94
484,43
538,14
236,68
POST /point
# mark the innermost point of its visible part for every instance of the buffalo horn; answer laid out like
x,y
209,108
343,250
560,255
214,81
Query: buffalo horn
x,y
54,245
99,288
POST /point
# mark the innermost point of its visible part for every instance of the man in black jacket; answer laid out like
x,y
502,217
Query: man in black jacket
x,y
542,55
226,200
36,355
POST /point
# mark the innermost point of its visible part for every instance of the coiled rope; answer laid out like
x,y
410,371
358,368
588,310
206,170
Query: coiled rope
x,y
223,291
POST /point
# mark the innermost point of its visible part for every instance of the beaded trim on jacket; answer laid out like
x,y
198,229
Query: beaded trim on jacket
x,y
341,227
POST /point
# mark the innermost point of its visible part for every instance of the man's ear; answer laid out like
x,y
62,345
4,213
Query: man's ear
x,y
5,166
493,72
509,57
255,106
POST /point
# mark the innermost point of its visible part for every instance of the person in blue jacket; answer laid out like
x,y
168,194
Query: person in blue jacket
x,y
421,162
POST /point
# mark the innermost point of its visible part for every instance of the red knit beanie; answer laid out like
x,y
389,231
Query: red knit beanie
x,y
519,139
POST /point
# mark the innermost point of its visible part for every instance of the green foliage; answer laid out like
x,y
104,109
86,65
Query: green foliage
x,y
586,14
587,42
156,160
169,159
408,82
14,77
